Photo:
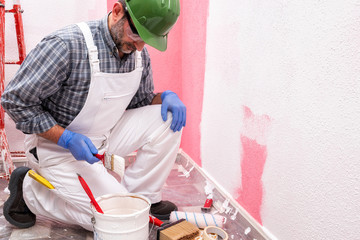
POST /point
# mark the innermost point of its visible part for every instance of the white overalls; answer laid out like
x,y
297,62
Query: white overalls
x,y
104,120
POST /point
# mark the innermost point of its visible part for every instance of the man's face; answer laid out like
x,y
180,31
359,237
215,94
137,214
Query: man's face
x,y
125,40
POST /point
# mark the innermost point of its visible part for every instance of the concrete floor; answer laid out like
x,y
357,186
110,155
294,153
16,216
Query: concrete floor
x,y
185,187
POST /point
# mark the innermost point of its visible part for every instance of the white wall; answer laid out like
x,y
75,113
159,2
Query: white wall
x,y
40,18
297,62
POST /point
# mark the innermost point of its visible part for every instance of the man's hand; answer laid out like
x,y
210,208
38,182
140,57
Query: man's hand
x,y
79,145
172,103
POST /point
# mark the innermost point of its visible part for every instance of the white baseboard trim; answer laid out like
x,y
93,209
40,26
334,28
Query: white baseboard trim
x,y
256,225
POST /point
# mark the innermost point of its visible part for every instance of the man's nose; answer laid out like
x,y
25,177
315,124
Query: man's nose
x,y
139,45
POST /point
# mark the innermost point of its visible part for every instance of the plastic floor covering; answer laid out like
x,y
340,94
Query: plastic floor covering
x,y
185,186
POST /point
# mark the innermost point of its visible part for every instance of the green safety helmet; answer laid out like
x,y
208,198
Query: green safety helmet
x,y
153,19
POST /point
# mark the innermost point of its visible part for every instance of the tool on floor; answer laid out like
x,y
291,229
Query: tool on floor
x,y
201,220
207,205
113,162
89,193
155,221
179,230
40,179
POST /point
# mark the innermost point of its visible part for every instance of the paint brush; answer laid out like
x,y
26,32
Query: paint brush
x,y
178,230
89,193
113,162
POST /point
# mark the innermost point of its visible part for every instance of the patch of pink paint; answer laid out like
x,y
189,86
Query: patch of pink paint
x,y
193,59
247,113
254,154
252,166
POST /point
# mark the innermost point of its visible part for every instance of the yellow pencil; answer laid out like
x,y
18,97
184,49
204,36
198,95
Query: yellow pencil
x,y
40,179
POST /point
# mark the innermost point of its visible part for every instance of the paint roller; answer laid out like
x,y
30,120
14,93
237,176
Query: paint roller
x,y
201,220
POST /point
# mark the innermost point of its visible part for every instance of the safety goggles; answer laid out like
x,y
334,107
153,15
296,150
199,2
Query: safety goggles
x,y
132,32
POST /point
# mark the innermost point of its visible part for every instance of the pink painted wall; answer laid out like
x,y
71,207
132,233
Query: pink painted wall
x,y
194,30
253,159
182,68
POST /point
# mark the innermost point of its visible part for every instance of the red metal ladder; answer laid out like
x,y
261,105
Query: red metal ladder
x,y
5,154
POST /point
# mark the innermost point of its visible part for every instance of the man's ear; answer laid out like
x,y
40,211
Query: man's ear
x,y
117,11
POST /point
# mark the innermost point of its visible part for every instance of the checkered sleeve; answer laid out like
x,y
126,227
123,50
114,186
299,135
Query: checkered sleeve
x,y
40,75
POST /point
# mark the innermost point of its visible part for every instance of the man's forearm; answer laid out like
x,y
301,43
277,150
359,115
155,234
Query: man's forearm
x,y
53,134
156,99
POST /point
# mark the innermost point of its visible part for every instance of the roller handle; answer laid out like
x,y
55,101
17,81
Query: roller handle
x,y
155,221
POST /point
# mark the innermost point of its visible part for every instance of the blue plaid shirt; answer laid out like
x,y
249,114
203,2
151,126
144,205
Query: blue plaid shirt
x,y
52,84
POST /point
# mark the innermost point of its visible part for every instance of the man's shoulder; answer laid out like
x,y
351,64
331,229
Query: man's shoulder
x,y
73,33
68,33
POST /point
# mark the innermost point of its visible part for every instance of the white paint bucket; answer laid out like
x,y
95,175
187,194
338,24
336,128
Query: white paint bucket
x,y
126,217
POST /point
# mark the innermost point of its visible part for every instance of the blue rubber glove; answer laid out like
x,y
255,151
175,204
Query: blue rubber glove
x,y
171,102
79,145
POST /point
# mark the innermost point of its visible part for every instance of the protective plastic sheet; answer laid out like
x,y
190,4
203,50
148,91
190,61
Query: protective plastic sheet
x,y
186,187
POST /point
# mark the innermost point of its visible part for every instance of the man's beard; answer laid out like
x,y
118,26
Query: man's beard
x,y
117,34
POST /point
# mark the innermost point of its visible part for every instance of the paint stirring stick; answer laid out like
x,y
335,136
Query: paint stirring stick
x,y
89,193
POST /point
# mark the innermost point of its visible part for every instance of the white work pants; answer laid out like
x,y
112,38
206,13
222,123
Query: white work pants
x,y
140,129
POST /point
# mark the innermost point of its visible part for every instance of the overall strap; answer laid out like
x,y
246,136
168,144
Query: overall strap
x,y
138,59
92,49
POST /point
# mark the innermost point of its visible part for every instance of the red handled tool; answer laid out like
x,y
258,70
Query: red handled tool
x,y
89,193
207,205
101,157
155,221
